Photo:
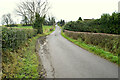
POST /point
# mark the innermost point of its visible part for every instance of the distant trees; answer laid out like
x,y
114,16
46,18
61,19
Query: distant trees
x,y
61,22
7,19
50,21
106,24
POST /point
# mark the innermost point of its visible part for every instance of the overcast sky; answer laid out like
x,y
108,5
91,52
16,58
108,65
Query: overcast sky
x,y
67,9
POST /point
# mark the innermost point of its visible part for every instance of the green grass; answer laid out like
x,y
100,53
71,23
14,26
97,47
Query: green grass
x,y
94,49
30,63
47,28
30,27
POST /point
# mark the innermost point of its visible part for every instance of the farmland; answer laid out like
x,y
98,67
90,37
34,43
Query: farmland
x,y
45,28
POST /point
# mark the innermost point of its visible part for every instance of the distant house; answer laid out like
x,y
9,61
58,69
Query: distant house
x,y
88,19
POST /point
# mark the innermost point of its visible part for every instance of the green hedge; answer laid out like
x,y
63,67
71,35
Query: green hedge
x,y
106,24
12,38
108,42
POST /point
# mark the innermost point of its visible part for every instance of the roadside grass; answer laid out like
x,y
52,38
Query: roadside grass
x,y
29,60
25,61
94,49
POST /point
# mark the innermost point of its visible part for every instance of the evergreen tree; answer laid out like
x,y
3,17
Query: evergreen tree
x,y
80,19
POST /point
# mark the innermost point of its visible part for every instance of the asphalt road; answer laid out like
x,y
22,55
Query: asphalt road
x,y
63,59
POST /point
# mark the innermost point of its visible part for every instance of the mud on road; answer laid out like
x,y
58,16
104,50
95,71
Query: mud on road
x,y
42,47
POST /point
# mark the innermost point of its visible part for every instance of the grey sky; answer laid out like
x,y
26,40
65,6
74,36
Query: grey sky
x,y
67,9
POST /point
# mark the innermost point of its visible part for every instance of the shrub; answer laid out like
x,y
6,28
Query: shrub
x,y
12,38
12,25
108,42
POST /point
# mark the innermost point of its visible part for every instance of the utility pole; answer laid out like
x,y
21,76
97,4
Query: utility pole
x,y
119,7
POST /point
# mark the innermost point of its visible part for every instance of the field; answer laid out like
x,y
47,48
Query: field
x,y
27,27
45,28
30,27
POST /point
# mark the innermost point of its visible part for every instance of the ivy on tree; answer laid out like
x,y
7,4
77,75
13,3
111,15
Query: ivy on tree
x,y
38,23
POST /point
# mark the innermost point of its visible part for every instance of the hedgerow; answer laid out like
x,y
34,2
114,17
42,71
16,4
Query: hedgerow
x,y
108,42
20,57
106,24
12,38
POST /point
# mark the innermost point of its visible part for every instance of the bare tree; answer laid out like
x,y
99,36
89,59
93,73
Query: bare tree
x,y
9,18
6,19
30,7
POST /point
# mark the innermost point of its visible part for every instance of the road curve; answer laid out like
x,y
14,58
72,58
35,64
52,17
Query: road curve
x,y
70,61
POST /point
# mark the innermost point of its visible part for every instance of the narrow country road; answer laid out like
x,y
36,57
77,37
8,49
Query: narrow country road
x,y
63,59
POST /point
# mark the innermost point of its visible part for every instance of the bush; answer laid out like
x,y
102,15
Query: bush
x,y
12,38
27,25
108,42
12,25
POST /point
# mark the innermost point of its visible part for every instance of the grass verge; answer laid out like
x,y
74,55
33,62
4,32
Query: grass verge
x,y
94,49
24,63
